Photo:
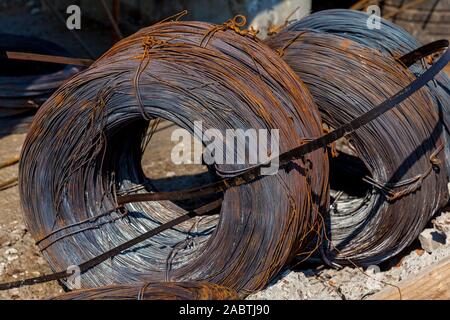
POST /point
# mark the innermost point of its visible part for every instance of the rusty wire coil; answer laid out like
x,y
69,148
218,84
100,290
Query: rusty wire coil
x,y
402,151
391,40
25,85
84,149
154,291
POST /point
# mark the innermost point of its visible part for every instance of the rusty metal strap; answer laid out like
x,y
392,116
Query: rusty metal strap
x,y
407,186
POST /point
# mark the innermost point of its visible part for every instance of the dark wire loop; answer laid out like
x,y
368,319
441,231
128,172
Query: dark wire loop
x,y
409,185
391,41
245,177
155,291
297,153
420,53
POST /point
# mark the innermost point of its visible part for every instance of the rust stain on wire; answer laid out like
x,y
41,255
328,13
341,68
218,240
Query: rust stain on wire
x,y
48,58
84,150
401,149
25,85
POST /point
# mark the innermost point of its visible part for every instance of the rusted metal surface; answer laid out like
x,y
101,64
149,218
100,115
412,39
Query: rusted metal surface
x,y
243,177
391,40
402,150
155,291
86,143
113,18
97,211
24,56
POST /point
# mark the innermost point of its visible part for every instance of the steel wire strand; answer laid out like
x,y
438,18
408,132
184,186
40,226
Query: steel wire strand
x,y
401,149
24,86
90,132
285,158
154,291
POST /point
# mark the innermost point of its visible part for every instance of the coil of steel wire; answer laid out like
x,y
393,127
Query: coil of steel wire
x,y
154,291
391,40
25,85
84,149
403,163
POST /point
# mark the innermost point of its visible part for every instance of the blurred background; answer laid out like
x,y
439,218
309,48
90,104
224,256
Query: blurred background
x,y
426,19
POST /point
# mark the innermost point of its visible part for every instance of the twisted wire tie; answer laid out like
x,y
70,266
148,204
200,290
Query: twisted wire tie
x,y
333,146
274,29
411,185
148,43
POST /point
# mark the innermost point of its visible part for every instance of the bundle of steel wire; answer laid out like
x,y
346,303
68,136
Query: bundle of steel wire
x,y
25,85
154,291
391,40
402,150
84,149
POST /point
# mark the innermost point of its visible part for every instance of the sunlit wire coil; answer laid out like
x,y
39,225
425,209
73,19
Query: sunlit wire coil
x,y
402,151
154,291
25,85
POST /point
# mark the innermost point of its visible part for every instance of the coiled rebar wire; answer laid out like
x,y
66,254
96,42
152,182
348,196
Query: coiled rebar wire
x,y
391,40
402,150
84,149
24,86
154,291
255,172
